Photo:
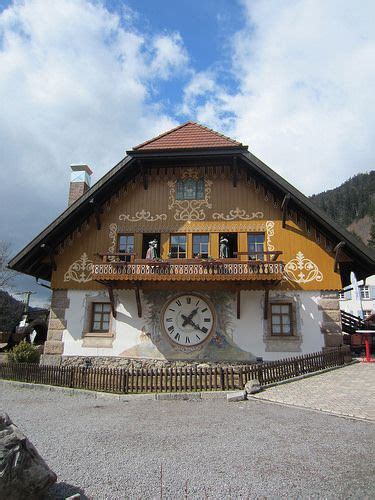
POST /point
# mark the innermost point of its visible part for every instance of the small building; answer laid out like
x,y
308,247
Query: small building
x,y
365,306
191,248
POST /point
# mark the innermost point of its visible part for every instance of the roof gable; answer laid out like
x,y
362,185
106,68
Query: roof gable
x,y
32,259
190,135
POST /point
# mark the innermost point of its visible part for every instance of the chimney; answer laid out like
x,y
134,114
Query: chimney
x,y
80,180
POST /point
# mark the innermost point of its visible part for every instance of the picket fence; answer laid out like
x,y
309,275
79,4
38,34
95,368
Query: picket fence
x,y
184,379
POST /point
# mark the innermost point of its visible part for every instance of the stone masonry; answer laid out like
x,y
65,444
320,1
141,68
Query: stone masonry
x,y
54,346
331,322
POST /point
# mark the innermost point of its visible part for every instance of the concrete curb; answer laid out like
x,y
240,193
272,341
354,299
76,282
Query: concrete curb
x,y
164,396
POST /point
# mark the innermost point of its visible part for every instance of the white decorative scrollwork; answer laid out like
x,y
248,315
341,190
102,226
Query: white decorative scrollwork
x,y
237,213
142,215
302,270
80,271
189,209
270,232
112,236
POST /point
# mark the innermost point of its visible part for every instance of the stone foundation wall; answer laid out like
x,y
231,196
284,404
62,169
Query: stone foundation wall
x,y
330,327
54,346
117,362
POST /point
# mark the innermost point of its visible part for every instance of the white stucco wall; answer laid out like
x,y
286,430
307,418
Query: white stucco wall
x,y
126,328
349,305
250,328
247,334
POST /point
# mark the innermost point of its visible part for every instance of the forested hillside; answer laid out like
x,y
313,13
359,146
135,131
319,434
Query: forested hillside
x,y
352,204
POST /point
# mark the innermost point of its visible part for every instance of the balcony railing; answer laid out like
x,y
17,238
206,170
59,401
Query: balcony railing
x,y
127,267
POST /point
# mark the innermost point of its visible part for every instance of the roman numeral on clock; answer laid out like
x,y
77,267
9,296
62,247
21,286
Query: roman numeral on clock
x,y
178,302
168,320
207,320
188,300
187,340
177,336
204,310
171,329
204,330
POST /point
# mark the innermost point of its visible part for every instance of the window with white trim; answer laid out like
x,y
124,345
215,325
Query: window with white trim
x,y
101,315
365,292
281,319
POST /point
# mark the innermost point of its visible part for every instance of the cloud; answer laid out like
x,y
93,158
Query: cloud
x,y
305,102
77,84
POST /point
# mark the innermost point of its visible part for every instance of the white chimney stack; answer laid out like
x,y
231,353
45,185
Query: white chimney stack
x,y
80,181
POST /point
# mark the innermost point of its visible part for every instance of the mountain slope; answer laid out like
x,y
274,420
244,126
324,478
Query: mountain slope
x,y
352,204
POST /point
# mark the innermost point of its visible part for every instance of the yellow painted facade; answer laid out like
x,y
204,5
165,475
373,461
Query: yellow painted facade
x,y
246,208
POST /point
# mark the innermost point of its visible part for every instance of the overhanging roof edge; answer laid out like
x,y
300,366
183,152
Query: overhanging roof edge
x,y
308,205
68,212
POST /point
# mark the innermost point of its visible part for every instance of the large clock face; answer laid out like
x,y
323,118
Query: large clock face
x,y
188,320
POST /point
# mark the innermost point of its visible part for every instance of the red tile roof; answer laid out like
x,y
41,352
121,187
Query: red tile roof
x,y
190,135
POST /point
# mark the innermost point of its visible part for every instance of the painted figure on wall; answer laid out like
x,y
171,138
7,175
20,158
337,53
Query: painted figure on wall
x,y
152,250
224,248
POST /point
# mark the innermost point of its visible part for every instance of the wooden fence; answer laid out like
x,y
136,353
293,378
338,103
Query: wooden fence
x,y
186,379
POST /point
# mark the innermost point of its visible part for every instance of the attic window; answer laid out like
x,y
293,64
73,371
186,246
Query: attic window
x,y
190,189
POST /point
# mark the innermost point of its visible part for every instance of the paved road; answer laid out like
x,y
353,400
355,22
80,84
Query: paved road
x,y
108,449
347,391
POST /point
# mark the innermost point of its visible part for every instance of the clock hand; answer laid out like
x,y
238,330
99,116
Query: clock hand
x,y
197,327
188,318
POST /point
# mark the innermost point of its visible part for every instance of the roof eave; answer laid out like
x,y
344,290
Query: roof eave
x,y
308,206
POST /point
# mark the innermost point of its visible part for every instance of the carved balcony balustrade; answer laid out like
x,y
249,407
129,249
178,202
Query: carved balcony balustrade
x,y
127,267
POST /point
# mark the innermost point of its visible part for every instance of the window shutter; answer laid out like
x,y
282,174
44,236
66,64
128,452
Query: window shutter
x,y
372,292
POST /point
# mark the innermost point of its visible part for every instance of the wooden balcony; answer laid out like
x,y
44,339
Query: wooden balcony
x,y
127,267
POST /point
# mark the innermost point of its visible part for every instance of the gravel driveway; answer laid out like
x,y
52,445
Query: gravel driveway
x,y
108,449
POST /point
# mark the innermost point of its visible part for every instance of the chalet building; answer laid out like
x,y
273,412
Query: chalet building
x,y
191,248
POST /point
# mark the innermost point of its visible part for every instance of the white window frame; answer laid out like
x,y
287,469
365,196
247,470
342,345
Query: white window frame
x,y
365,293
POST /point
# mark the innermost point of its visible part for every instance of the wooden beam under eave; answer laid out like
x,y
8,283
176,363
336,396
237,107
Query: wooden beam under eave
x,y
235,171
112,300
266,302
98,210
138,299
51,254
284,208
337,251
144,174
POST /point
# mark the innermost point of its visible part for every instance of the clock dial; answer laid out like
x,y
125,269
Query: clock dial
x,y
188,320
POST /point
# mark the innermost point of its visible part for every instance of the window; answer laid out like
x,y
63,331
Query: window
x,y
342,295
281,319
126,243
255,246
178,246
365,292
101,313
200,245
190,189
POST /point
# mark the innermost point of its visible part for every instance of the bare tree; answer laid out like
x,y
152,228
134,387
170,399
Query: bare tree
x,y
6,275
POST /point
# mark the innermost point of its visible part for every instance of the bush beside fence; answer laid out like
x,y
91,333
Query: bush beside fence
x,y
186,379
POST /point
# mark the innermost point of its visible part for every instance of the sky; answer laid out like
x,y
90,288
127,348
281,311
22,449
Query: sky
x,y
83,81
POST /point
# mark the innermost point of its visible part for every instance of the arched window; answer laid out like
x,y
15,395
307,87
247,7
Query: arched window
x,y
190,189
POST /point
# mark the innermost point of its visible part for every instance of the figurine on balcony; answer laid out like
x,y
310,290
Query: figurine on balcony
x,y
151,252
224,248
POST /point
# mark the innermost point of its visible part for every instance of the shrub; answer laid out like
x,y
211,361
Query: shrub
x,y
24,353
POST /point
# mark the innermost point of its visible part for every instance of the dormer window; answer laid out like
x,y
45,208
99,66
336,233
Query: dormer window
x,y
190,189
